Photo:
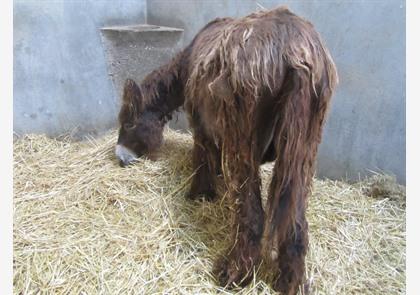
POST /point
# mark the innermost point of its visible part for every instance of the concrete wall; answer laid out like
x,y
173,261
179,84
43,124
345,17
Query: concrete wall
x,y
366,127
60,70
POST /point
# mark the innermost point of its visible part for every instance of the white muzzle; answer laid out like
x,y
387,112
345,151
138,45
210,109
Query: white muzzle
x,y
125,155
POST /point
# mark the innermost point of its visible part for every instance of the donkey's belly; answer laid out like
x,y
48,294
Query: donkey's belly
x,y
270,154
202,116
263,130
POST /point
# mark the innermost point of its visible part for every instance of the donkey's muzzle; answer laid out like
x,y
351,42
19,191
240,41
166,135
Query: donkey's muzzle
x,y
125,155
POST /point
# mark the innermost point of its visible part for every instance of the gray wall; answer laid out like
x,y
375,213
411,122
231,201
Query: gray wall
x,y
366,127
60,70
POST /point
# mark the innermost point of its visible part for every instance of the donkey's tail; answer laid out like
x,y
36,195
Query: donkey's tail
x,y
303,106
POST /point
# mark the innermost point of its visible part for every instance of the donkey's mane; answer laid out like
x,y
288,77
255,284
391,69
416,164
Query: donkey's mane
x,y
159,80
162,89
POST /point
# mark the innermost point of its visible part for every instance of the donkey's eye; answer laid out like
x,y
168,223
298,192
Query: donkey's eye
x,y
128,126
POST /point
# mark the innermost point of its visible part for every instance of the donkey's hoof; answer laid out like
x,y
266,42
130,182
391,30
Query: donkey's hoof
x,y
207,195
286,285
230,275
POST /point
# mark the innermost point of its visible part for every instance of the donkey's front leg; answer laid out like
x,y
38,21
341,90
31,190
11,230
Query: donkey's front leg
x,y
243,181
206,165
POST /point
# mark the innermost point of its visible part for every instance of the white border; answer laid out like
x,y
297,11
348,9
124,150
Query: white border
x,y
6,137
413,145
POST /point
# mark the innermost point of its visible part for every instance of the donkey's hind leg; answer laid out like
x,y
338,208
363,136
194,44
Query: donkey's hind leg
x,y
297,140
287,232
206,165
291,260
241,173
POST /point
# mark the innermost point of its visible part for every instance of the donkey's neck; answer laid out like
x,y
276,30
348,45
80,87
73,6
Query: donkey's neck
x,y
163,89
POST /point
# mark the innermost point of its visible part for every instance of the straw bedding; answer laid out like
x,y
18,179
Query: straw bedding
x,y
83,225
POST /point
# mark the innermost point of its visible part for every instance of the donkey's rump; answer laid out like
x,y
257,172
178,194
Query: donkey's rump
x,y
254,52
242,65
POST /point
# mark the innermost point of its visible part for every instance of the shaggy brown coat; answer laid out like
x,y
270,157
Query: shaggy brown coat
x,y
255,89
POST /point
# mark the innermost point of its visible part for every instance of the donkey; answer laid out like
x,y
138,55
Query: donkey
x,y
255,89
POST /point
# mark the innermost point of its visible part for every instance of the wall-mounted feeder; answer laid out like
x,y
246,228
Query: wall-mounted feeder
x,y
134,51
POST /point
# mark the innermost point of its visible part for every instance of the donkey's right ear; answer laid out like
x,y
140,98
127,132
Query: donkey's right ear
x,y
132,94
131,101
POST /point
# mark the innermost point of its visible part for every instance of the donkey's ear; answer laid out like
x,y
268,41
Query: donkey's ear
x,y
132,94
131,101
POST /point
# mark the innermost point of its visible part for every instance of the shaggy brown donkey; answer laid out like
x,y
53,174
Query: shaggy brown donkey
x,y
256,89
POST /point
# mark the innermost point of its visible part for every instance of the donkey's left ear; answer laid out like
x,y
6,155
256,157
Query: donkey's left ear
x,y
132,98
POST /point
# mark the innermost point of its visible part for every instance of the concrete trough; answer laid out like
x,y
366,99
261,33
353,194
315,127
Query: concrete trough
x,y
133,51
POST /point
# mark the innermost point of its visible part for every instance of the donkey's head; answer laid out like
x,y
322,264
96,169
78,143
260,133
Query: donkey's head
x,y
140,130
